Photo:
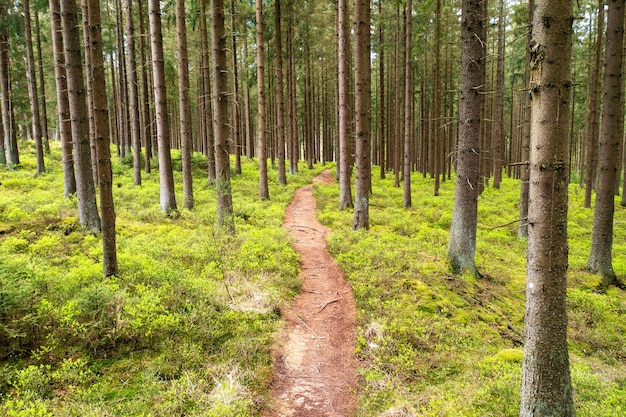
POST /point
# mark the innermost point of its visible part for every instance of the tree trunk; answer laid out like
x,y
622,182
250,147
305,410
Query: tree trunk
x,y
381,94
146,131
345,192
282,178
88,216
522,231
206,95
184,106
225,220
42,87
462,245
498,133
63,105
167,196
437,137
135,127
102,140
32,90
546,382
362,110
397,96
591,162
264,192
236,122
12,155
408,101
612,130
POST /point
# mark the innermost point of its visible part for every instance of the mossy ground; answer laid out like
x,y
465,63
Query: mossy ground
x,y
184,329
434,344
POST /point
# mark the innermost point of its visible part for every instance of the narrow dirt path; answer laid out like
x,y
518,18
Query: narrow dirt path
x,y
315,369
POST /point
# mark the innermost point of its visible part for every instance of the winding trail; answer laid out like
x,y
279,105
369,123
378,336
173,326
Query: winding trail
x,y
315,369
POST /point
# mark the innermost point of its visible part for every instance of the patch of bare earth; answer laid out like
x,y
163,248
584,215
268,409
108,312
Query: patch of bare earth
x,y
315,368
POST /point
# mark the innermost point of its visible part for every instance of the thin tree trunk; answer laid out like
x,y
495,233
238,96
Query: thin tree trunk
x,y
225,218
146,120
135,128
42,87
184,106
264,192
601,256
522,230
12,154
362,110
88,216
32,90
282,178
102,140
345,192
63,105
397,124
591,162
498,134
235,102
437,137
462,245
408,101
546,381
167,196
206,94
382,109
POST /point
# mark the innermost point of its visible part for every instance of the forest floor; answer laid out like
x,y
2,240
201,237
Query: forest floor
x,y
315,368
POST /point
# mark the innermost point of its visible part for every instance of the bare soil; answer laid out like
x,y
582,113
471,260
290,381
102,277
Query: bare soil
x,y
315,368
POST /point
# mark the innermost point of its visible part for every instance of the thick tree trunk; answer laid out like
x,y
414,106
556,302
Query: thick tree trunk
x,y
225,218
88,216
345,192
63,104
462,245
546,382
33,94
102,140
280,97
612,130
135,127
362,111
183,103
264,192
408,103
167,196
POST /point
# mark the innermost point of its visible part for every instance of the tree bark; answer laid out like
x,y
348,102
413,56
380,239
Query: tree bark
x,y
546,381
522,231
345,192
225,220
462,245
63,104
88,216
437,137
408,103
235,102
102,139
12,154
280,97
498,132
612,130
167,196
32,90
183,103
362,110
135,127
264,193
591,162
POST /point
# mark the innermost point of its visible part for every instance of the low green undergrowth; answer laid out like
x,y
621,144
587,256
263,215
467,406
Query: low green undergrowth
x,y
186,327
434,344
